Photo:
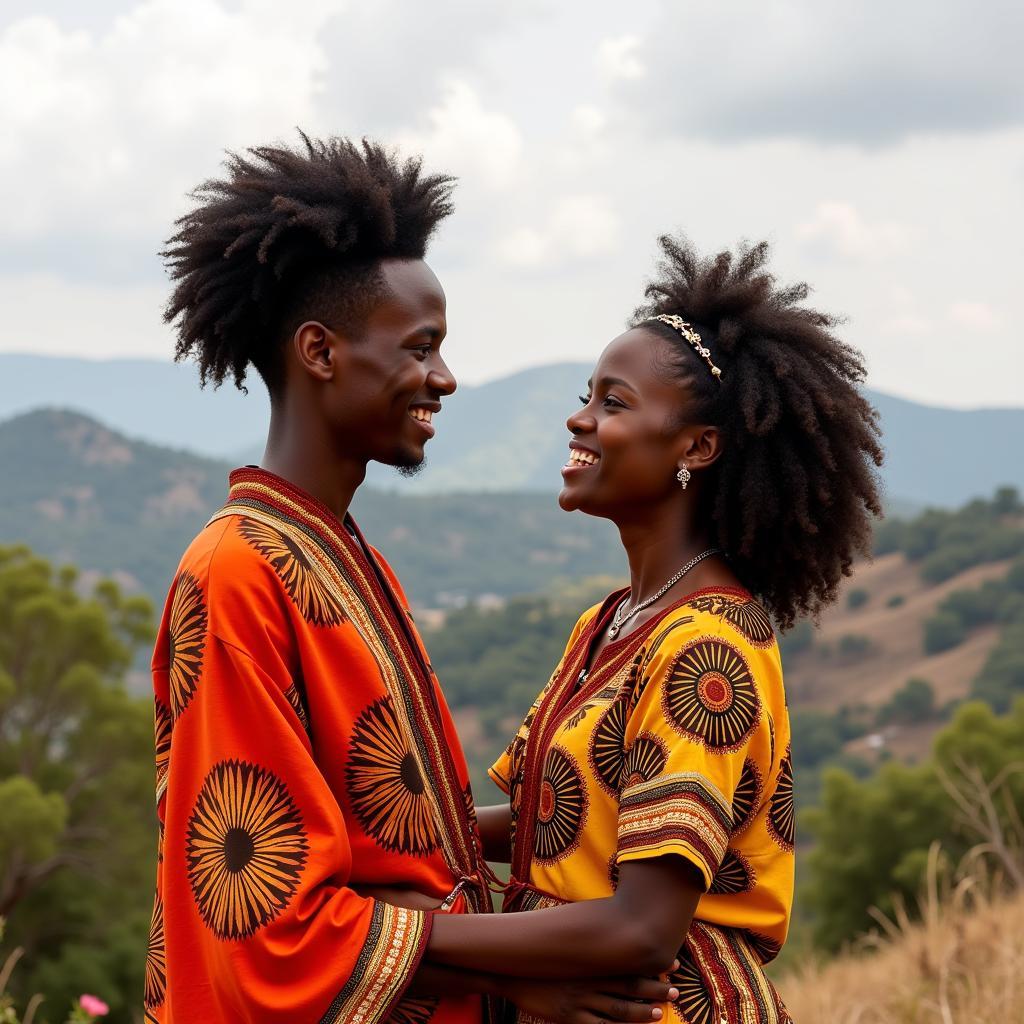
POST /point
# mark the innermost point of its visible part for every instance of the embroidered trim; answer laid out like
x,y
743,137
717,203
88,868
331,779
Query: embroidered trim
x,y
394,946
683,810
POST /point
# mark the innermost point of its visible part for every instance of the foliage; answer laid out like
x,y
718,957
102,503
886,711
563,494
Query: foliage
x,y
76,836
796,640
857,598
895,601
872,836
995,601
911,703
947,542
853,647
1001,679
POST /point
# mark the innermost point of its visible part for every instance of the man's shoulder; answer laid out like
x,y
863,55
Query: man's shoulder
x,y
225,558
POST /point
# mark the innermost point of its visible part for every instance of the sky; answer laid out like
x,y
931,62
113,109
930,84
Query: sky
x,y
878,146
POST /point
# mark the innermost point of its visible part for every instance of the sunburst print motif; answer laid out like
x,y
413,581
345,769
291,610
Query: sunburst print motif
x,y
747,798
694,1004
709,695
765,949
414,1010
735,875
606,747
296,698
781,814
245,848
562,809
311,594
187,641
386,785
644,760
162,745
156,958
746,616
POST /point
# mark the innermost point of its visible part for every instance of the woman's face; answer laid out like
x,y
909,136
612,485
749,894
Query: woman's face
x,y
626,446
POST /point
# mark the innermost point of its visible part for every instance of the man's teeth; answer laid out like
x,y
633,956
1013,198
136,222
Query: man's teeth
x,y
583,458
423,415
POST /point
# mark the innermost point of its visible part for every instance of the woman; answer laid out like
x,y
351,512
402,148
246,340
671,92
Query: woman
x,y
651,787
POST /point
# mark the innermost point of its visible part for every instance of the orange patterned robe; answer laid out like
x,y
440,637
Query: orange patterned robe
x,y
303,748
676,742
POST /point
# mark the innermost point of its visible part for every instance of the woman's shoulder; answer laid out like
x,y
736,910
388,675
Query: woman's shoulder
x,y
720,617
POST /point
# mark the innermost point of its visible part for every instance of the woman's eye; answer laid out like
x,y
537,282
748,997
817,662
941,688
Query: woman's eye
x,y
611,402
584,399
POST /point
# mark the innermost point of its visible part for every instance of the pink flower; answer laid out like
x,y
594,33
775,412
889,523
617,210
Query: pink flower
x,y
93,1005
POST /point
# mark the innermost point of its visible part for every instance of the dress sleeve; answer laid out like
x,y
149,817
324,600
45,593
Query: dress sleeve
x,y
695,723
257,916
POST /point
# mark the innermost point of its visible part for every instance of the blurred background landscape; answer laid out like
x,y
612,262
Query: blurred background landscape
x,y
878,146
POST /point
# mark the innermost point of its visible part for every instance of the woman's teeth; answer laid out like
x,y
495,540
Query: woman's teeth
x,y
582,458
423,415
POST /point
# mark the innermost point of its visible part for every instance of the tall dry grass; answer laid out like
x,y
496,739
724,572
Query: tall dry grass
x,y
960,958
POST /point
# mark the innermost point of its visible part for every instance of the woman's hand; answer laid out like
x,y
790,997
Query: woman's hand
x,y
593,1000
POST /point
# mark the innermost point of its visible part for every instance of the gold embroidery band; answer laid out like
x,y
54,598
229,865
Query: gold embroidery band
x,y
389,957
683,810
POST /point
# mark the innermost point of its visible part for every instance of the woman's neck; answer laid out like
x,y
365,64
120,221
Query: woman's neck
x,y
658,545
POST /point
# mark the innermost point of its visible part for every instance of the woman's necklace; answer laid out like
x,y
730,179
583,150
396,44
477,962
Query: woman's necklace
x,y
620,619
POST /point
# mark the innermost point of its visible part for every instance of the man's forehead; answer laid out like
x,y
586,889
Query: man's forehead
x,y
413,284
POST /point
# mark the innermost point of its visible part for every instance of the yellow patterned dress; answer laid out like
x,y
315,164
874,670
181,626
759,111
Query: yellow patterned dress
x,y
677,741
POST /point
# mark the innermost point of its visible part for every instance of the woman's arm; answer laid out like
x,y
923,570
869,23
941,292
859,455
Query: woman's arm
x,y
638,931
496,832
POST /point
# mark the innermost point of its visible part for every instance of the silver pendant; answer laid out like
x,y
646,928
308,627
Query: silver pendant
x,y
613,632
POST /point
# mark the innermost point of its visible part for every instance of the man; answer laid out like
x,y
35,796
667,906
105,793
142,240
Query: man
x,y
303,747
312,795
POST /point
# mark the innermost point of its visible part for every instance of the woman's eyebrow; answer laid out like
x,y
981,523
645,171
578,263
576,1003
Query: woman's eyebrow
x,y
614,382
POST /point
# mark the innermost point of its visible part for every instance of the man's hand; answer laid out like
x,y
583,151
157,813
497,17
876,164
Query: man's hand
x,y
592,1001
408,898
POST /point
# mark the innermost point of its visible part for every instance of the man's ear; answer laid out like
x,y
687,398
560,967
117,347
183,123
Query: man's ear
x,y
316,349
699,447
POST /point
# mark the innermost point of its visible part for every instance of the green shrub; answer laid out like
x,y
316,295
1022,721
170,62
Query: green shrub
x,y
911,703
895,601
943,631
853,646
856,598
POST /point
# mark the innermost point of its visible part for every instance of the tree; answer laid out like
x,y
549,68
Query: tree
x,y
76,752
872,836
913,702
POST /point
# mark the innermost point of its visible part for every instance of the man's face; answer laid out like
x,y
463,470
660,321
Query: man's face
x,y
394,378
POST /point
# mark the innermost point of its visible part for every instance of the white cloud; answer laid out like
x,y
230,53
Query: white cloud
x,y
618,58
483,146
908,325
579,227
975,316
105,131
872,72
838,228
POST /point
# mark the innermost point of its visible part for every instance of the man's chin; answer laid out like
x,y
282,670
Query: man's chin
x,y
408,464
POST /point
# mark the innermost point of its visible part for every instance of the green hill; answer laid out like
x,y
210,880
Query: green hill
x,y
78,492
506,435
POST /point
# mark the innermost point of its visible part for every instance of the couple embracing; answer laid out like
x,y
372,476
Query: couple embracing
x,y
322,857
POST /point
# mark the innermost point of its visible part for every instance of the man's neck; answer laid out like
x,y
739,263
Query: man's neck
x,y
303,455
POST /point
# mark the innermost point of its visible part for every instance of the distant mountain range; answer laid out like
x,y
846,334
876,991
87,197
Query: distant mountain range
x,y
506,435
79,492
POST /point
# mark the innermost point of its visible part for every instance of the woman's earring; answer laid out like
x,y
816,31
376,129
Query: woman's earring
x,y
683,476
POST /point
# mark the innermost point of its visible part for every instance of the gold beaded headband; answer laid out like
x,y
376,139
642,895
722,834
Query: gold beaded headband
x,y
677,323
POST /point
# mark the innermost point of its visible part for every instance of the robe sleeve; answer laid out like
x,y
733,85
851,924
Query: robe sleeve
x,y
252,881
695,723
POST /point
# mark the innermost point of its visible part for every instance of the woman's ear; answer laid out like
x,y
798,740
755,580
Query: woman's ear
x,y
699,447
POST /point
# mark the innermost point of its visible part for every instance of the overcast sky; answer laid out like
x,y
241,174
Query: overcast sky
x,y
879,146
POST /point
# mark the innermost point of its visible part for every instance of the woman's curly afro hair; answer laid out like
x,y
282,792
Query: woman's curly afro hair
x,y
289,235
791,498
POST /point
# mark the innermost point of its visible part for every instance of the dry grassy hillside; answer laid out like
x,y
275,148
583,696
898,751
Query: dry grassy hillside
x,y
962,964
823,679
